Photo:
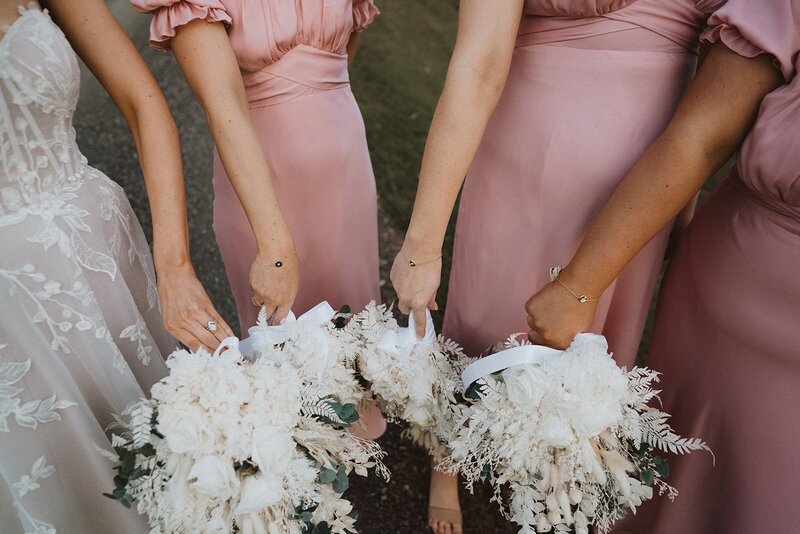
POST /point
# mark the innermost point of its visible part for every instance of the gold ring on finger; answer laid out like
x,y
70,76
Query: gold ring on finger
x,y
255,303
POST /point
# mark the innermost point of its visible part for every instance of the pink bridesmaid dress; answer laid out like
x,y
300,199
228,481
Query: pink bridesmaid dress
x,y
592,83
293,59
294,65
727,332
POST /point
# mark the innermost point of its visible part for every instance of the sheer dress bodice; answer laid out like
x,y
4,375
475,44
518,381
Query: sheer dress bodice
x,y
39,83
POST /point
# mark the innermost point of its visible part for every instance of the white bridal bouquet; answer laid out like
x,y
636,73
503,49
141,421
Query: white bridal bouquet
x,y
260,445
415,381
569,433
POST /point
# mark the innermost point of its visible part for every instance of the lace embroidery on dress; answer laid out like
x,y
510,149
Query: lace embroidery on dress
x,y
28,414
42,174
29,483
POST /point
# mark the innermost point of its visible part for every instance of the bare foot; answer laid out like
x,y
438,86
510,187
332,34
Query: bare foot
x,y
444,510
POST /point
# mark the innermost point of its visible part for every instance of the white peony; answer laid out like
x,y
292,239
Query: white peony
x,y
213,476
259,491
185,428
272,449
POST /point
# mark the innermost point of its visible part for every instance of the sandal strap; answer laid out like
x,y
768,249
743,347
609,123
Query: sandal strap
x,y
448,515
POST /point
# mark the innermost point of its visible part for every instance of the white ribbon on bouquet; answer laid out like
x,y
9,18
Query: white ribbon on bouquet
x,y
522,355
405,339
272,335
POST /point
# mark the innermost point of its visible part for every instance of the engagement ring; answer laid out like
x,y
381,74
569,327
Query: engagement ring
x,y
211,326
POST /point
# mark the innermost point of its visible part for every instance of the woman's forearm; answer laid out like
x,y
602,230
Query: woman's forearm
x,y
244,161
458,124
206,58
657,188
123,73
710,123
159,154
475,80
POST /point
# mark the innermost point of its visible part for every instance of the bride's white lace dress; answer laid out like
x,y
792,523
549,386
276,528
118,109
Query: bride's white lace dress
x,y
80,326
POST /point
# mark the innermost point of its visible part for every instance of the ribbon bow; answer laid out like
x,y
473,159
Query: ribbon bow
x,y
261,336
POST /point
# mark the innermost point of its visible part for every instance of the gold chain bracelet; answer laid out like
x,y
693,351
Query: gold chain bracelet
x,y
555,271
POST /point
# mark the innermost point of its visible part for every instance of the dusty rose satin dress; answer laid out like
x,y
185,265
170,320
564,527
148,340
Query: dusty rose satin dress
x,y
591,85
294,65
727,333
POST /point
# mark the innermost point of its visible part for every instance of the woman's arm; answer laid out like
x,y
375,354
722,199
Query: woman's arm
x,y
475,79
105,48
207,60
711,121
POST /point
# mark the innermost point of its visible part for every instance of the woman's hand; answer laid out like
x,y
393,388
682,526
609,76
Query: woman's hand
x,y
187,310
555,317
274,279
416,285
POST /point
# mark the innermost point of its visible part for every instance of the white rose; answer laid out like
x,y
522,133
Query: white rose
x,y
272,448
525,385
258,492
554,431
212,476
593,419
185,427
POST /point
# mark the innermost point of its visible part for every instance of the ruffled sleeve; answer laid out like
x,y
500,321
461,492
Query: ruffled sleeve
x,y
753,27
364,12
169,14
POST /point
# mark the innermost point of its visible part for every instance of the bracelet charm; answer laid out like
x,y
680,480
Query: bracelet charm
x,y
555,271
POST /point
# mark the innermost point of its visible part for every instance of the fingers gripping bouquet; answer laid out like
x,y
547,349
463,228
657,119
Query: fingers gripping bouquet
x,y
569,433
259,445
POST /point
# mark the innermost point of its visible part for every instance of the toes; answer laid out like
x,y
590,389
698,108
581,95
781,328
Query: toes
x,y
457,529
448,529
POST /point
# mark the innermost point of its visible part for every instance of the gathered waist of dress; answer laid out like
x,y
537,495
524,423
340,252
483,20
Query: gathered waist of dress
x,y
302,70
643,26
596,33
778,212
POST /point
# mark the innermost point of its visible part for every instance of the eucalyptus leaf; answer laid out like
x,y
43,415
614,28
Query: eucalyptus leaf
x,y
663,469
326,476
341,483
128,462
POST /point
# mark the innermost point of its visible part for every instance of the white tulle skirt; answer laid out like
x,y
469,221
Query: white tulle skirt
x,y
80,338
